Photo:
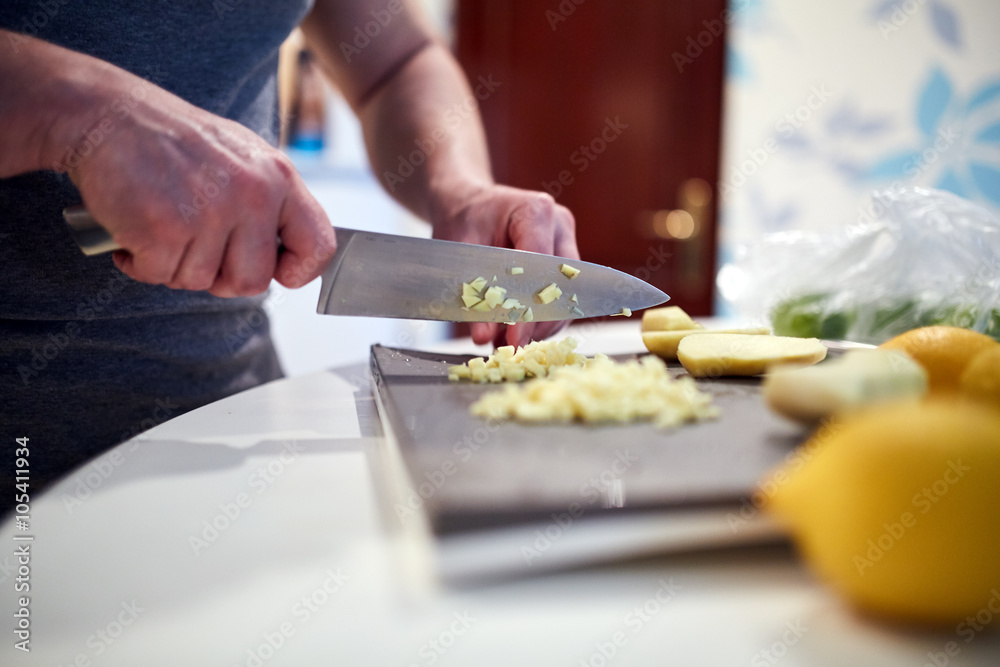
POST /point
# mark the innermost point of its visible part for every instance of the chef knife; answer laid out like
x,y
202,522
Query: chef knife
x,y
385,275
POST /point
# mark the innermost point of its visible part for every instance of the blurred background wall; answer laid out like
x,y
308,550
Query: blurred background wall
x,y
826,102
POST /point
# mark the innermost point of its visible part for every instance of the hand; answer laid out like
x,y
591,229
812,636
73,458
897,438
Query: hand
x,y
507,217
196,201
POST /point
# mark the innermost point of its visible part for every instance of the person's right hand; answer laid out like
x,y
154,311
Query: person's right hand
x,y
196,201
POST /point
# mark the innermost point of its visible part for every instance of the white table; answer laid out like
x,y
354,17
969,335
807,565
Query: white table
x,y
128,569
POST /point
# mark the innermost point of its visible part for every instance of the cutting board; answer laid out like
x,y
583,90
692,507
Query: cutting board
x,y
468,474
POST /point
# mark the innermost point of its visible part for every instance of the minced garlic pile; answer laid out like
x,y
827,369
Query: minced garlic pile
x,y
589,390
509,364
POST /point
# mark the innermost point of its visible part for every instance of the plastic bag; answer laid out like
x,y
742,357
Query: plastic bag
x,y
929,257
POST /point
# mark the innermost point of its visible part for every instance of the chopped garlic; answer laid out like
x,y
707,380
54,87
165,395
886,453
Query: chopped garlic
x,y
625,312
459,372
573,299
528,316
505,353
495,296
576,311
516,270
549,294
569,271
600,390
514,373
535,359
478,297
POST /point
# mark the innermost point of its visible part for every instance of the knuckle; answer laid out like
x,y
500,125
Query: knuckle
x,y
565,216
249,285
146,273
256,195
294,276
198,280
159,234
282,164
543,203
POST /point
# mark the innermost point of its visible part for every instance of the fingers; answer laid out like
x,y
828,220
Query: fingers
x,y
542,225
531,225
565,234
517,335
249,262
524,220
199,267
123,262
513,334
308,238
545,329
484,332
153,265
520,335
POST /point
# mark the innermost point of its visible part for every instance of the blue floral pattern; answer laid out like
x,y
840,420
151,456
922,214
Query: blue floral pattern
x,y
915,101
944,19
946,121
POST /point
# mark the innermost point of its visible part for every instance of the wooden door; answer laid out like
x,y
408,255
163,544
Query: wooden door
x,y
614,107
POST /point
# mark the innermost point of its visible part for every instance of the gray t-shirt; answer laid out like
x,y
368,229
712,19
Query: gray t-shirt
x,y
89,357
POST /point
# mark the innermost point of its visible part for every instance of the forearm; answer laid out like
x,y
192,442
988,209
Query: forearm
x,y
420,118
50,97
425,137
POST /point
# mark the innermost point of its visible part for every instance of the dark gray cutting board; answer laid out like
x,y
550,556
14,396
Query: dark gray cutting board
x,y
471,474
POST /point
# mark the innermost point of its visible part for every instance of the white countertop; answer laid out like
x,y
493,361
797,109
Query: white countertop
x,y
248,533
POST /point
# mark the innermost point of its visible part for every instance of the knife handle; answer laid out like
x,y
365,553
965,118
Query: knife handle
x,y
87,232
92,238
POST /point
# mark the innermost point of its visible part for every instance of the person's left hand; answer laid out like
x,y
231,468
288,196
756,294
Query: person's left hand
x,y
508,217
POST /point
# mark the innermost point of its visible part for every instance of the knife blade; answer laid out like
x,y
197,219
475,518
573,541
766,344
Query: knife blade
x,y
385,275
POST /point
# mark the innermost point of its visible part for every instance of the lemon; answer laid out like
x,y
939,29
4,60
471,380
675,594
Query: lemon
x,y
897,508
981,377
943,351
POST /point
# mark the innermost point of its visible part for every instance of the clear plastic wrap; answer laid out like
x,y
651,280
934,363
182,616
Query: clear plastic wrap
x,y
924,257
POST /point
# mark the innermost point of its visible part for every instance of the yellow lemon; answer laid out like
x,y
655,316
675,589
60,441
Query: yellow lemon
x,y
943,351
981,378
897,508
